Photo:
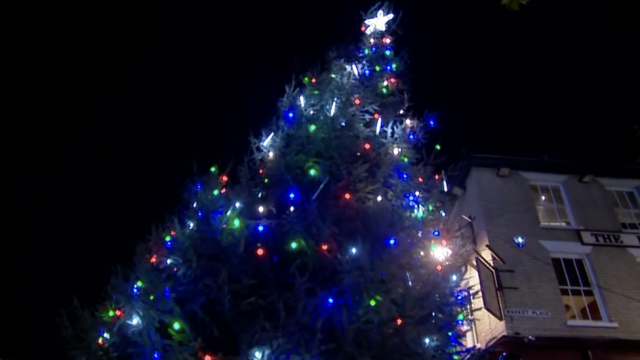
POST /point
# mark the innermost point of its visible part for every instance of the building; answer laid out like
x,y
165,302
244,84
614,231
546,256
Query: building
x,y
557,265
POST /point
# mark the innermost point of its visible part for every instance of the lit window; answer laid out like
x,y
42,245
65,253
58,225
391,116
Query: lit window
x,y
626,205
550,204
577,289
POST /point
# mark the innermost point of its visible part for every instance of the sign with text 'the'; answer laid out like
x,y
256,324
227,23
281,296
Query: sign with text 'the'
x,y
610,238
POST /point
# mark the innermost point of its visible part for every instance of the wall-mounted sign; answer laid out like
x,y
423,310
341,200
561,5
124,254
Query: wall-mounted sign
x,y
527,312
610,238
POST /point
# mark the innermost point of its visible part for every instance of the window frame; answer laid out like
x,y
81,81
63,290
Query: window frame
x,y
576,250
615,209
572,222
594,286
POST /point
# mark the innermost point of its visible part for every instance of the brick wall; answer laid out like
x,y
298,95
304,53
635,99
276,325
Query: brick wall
x,y
504,208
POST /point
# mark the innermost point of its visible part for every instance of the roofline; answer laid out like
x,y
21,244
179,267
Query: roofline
x,y
544,165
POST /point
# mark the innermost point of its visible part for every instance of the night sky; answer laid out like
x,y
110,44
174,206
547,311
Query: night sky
x,y
166,89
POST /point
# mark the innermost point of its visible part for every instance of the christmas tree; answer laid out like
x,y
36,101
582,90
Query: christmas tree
x,y
330,241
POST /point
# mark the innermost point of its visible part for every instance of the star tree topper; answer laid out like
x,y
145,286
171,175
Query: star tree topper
x,y
378,23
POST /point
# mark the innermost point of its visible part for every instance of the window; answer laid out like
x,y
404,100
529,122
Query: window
x,y
577,288
626,204
550,204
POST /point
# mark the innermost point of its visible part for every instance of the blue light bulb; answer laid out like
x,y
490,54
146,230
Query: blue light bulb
x,y
330,300
392,241
436,233
260,228
291,196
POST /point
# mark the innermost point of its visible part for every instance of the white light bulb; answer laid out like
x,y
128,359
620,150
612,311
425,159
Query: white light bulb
x,y
190,225
454,277
237,205
257,354
372,40
271,154
401,111
408,122
417,193
354,250
311,112
421,253
441,253
385,83
379,125
427,341
291,209
260,209
379,198
195,204
396,150
301,101
333,107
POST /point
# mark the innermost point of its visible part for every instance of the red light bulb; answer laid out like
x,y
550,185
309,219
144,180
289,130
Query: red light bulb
x,y
314,80
399,321
420,179
224,178
154,259
324,247
437,176
347,196
173,233
367,146
363,28
261,171
224,190
260,251
208,357
392,80
444,242
376,116
439,267
357,101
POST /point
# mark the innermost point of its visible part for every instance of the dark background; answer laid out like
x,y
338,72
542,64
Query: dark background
x,y
136,94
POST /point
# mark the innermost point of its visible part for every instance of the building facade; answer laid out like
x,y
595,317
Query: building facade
x,y
557,268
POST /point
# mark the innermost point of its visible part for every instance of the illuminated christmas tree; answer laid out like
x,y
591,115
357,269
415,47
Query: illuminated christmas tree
x,y
330,241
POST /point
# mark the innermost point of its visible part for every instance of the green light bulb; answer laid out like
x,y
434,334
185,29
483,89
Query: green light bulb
x,y
151,297
432,246
372,302
111,313
266,180
213,169
377,68
366,51
176,326
387,52
405,158
216,192
306,80
236,222
294,244
139,283
438,147
313,172
384,90
312,127
167,238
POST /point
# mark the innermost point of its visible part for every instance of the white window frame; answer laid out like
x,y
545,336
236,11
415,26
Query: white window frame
x,y
567,206
631,190
574,250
